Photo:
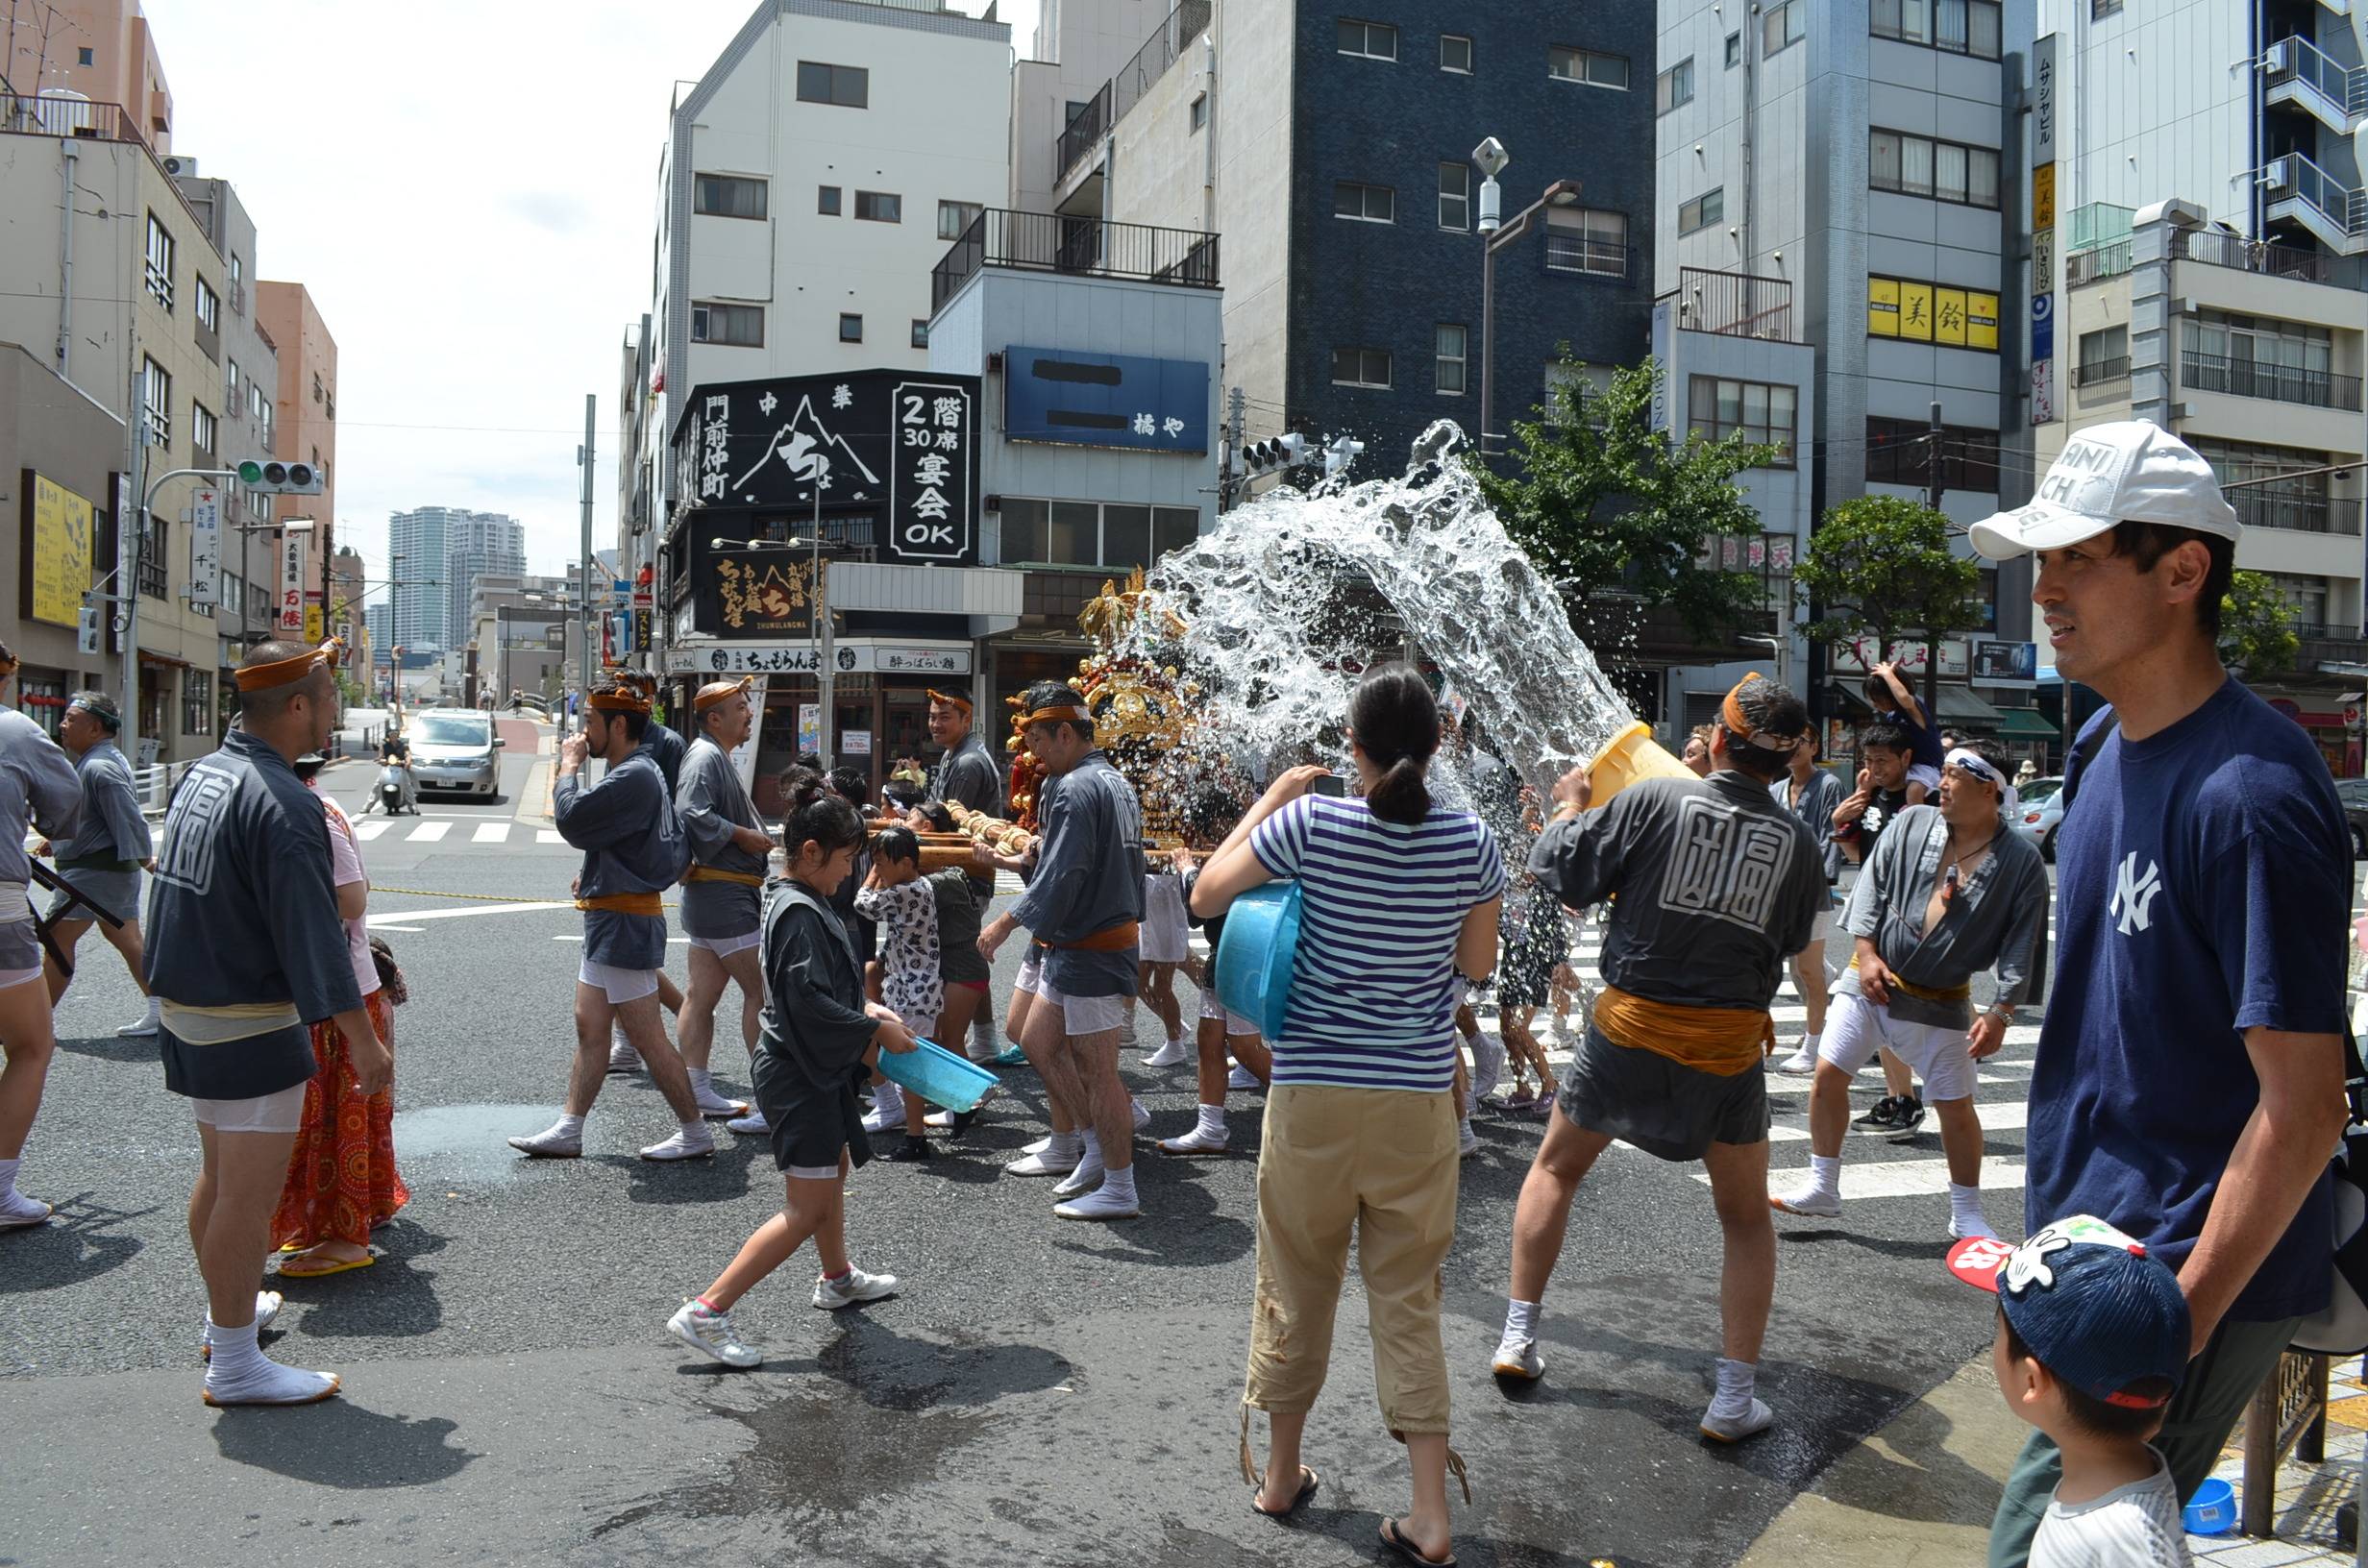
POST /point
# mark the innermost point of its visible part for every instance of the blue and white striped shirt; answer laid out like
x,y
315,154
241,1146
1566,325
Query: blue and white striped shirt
x,y
1372,989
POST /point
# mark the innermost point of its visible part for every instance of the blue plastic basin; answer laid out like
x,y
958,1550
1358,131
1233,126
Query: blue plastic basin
x,y
1255,954
938,1075
2212,1510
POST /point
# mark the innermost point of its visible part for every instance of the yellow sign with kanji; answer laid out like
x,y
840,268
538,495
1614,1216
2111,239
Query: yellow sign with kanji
x,y
1981,321
1949,317
2043,197
1881,308
312,624
63,525
1916,312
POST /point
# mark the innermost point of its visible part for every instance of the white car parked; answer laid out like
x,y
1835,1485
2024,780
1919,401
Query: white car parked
x,y
2039,813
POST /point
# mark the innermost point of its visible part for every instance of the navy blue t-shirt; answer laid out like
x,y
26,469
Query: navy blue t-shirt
x,y
1923,740
2204,890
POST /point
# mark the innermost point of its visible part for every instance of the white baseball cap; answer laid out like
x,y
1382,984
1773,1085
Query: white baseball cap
x,y
2131,471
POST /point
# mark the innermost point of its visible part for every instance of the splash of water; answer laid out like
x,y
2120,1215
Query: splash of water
x,y
1293,597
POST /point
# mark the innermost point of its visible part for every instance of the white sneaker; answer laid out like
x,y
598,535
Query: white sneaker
x,y
622,1057
1175,1053
144,1025
1196,1141
1811,1200
714,1107
1241,1077
682,1146
1487,1065
1466,1141
1724,1428
1518,1359
858,1287
1084,1179
752,1125
549,1144
1962,1226
1800,1064
711,1332
1143,1114
1043,1162
1099,1204
18,1211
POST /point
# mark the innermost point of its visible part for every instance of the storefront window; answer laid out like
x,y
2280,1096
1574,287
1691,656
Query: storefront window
x,y
43,701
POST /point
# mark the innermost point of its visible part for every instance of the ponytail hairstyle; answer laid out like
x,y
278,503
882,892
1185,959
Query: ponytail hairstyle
x,y
897,844
816,814
1395,721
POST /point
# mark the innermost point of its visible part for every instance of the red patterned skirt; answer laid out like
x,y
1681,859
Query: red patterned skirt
x,y
341,1176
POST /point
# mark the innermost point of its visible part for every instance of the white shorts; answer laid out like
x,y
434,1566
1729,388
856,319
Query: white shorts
x,y
1032,971
1212,1007
725,946
279,1113
1085,1015
1165,939
1926,774
11,978
1855,1027
621,985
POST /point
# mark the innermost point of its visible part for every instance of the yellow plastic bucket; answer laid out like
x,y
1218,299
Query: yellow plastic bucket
x,y
1628,756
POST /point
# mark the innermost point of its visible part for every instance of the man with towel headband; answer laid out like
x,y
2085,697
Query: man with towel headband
x,y
103,858
1718,886
967,772
728,850
633,850
245,950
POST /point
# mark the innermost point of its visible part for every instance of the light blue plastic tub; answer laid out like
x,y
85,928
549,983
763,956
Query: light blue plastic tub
x,y
1255,954
2212,1510
938,1076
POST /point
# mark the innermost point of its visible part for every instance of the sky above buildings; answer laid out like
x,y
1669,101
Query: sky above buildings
x,y
470,191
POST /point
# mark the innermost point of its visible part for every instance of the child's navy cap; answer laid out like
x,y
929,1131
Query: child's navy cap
x,y
2093,1304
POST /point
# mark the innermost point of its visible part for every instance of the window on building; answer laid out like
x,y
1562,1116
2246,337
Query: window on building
x,y
1368,204
205,435
921,333
1705,210
1084,533
1961,27
239,282
231,386
1587,66
848,87
1455,196
197,701
159,266
2279,487
826,201
1201,112
2103,356
1455,53
1673,87
208,304
1945,171
1361,367
1760,413
2260,357
85,57
1370,41
1899,452
1782,26
954,219
850,327
879,207
2099,9
1735,50
729,196
156,399
735,326
1587,239
1936,314
1448,359
329,405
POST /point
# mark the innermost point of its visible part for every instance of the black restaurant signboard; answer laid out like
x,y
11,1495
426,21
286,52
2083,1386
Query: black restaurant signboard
x,y
897,446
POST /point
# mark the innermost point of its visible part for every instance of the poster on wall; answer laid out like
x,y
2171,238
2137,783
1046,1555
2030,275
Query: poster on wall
x,y
205,548
1105,400
61,551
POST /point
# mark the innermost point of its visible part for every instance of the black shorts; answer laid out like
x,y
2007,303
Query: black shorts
x,y
812,1124
239,1070
1664,1108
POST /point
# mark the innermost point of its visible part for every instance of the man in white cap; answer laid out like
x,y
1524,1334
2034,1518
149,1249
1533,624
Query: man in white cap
x,y
2190,1073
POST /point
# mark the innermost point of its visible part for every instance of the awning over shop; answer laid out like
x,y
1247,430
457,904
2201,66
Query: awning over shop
x,y
1959,706
2026,724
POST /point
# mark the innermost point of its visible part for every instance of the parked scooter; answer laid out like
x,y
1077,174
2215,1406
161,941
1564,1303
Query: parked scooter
x,y
393,788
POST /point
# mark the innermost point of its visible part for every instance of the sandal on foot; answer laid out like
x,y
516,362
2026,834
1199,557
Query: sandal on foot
x,y
1309,1480
320,1269
1407,1551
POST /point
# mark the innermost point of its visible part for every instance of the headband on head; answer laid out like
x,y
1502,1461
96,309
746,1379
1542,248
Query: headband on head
x,y
722,691
1971,761
1060,704
284,672
618,702
100,709
949,700
1731,713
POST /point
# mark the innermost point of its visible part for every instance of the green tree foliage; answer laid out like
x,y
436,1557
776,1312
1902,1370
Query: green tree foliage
x,y
1881,567
1601,500
2256,626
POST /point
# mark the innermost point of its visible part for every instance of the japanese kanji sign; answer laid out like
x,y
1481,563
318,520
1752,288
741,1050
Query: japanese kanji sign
x,y
1105,400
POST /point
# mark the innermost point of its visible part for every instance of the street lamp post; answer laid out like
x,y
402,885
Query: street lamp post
x,y
1492,158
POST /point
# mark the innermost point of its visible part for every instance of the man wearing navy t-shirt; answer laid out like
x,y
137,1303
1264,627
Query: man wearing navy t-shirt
x,y
2190,1082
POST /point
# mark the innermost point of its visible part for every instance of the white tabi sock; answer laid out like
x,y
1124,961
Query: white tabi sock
x,y
1737,1382
1120,1184
8,1173
1825,1174
1066,1146
703,1080
569,1126
1522,1320
1212,1121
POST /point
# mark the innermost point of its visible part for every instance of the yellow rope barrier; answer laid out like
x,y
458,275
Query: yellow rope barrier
x,y
481,897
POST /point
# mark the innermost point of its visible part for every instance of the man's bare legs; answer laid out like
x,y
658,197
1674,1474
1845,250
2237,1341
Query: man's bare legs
x,y
239,1181
1543,1214
1097,1059
125,938
1747,1283
695,1028
1044,1039
29,1042
648,1035
1158,986
595,1018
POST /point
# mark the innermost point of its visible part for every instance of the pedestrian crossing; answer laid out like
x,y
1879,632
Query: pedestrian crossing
x,y
492,832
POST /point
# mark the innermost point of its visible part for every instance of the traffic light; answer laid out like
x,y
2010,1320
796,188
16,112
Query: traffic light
x,y
1338,456
86,630
1276,453
272,477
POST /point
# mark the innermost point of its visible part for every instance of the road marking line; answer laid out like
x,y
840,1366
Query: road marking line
x,y
1909,1178
546,835
400,916
428,833
674,942
370,827
490,833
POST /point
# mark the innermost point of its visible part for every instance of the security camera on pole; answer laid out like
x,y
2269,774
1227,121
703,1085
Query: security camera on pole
x,y
1495,235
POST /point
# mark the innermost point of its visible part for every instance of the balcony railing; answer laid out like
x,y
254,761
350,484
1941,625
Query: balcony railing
x,y
2102,261
1735,304
1603,259
2265,507
1122,92
48,115
2100,372
1050,242
2257,379
2215,248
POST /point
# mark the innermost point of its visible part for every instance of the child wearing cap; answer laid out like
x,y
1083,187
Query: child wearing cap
x,y
2092,1343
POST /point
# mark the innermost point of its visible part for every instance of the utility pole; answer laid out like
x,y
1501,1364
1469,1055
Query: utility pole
x,y
584,459
1236,428
1934,448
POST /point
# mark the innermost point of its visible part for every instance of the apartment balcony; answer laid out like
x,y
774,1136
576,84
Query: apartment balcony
x,y
2328,644
2280,384
1083,134
2101,372
2298,73
1735,304
2261,506
50,115
2217,248
1086,247
2302,193
2095,265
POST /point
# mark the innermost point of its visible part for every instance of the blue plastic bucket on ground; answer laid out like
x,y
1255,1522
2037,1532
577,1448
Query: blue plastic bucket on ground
x,y
2212,1510
938,1076
1255,954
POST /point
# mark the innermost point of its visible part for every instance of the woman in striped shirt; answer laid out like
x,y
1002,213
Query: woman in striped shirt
x,y
1399,897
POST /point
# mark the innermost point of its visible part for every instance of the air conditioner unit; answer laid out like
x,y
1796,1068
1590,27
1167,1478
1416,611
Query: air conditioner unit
x,y
2276,176
180,167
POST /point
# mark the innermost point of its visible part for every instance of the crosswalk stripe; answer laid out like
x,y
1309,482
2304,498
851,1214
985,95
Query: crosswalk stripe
x,y
428,832
490,833
1914,1178
547,835
370,827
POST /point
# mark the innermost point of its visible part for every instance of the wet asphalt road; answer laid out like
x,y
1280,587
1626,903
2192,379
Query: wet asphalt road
x,y
1040,1392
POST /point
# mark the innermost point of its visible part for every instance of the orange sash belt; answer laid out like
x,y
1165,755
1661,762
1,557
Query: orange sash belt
x,y
1117,940
624,903
1720,1040
1927,993
716,873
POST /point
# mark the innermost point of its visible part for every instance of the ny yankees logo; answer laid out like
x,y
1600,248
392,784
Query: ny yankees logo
x,y
2133,895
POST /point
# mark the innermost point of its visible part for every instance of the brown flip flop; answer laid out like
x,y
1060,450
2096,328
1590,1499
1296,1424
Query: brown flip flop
x,y
1408,1551
1309,1482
